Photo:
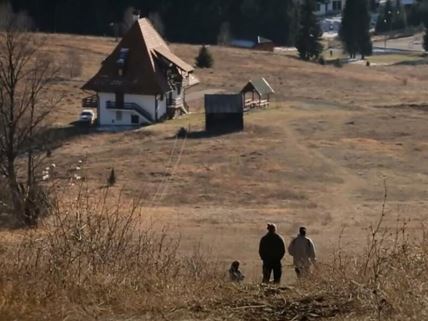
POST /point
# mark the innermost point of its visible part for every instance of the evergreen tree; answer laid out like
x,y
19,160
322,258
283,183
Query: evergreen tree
x,y
189,21
373,6
111,180
204,59
308,38
354,30
391,17
399,18
384,19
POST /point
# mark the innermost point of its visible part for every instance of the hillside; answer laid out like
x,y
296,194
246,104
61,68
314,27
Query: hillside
x,y
317,157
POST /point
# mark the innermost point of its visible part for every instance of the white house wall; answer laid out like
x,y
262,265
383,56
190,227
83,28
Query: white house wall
x,y
146,102
162,107
107,117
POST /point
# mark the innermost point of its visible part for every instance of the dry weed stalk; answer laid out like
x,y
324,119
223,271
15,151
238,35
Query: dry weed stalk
x,y
386,282
95,258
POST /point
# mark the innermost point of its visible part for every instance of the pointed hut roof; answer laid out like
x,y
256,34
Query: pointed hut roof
x,y
136,66
261,86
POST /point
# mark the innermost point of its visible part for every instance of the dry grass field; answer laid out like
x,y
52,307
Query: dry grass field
x,y
318,156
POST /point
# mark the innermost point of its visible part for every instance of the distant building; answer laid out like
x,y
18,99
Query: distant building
x,y
141,82
257,44
329,7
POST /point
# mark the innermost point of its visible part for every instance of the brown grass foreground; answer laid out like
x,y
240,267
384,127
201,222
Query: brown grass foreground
x,y
92,261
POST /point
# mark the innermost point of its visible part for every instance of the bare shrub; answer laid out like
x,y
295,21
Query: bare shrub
x,y
96,257
26,77
388,281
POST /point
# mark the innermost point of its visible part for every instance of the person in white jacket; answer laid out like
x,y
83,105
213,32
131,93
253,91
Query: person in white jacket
x,y
302,249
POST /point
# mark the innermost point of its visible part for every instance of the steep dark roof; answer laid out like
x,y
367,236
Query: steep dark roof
x,y
141,55
261,86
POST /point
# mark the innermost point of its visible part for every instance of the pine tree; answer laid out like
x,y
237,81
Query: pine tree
x,y
354,30
112,178
308,38
204,59
399,18
384,19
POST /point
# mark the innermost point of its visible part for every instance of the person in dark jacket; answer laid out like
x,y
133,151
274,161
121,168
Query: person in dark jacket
x,y
272,250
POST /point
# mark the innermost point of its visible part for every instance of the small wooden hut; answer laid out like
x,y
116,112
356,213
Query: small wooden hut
x,y
224,113
256,94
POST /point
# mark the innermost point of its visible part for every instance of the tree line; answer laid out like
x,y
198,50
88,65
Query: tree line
x,y
191,21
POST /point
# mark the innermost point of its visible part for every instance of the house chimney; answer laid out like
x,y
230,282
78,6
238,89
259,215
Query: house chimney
x,y
136,15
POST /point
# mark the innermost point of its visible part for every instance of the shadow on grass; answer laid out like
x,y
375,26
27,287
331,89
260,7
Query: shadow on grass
x,y
55,137
423,61
203,134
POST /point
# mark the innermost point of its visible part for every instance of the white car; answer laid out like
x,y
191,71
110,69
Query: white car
x,y
87,116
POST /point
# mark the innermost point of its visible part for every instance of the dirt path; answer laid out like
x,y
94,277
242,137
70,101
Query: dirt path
x,y
350,181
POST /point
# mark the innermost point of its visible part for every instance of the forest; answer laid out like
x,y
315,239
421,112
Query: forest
x,y
189,21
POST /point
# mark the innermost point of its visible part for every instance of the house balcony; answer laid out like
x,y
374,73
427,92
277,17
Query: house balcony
x,y
175,103
176,107
90,102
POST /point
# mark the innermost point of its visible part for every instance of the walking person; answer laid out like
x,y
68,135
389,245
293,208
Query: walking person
x,y
302,249
272,250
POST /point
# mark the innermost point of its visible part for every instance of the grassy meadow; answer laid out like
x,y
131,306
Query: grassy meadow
x,y
321,156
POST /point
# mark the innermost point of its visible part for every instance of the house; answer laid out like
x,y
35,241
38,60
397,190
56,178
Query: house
x,y
259,43
264,44
224,113
329,7
256,93
141,82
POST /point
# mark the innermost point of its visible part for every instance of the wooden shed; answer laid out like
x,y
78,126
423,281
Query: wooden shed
x,y
257,93
224,113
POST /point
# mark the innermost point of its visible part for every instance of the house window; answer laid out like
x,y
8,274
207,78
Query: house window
x,y
318,7
337,5
119,115
135,120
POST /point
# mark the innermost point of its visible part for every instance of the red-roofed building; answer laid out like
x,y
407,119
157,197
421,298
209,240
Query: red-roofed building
x,y
141,82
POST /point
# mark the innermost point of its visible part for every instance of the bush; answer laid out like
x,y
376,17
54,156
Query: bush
x,y
204,59
182,133
95,257
321,61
